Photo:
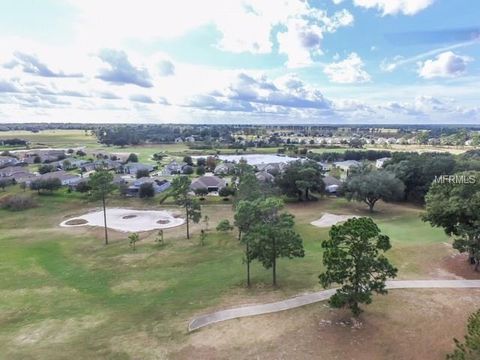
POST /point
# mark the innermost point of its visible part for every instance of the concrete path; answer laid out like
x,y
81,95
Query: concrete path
x,y
310,298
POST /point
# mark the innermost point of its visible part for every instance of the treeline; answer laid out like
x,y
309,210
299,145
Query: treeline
x,y
136,134
13,142
370,155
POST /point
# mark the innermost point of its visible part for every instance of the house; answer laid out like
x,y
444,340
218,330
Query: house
x,y
65,178
45,155
133,168
12,170
265,177
346,166
272,168
87,167
224,168
331,184
159,185
178,140
211,183
190,139
108,164
8,161
380,162
173,168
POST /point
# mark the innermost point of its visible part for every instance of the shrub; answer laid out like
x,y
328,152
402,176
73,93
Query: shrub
x,y
201,191
132,158
142,173
83,187
18,202
146,190
43,169
224,226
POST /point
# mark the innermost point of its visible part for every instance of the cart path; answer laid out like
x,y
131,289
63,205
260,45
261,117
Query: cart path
x,y
310,298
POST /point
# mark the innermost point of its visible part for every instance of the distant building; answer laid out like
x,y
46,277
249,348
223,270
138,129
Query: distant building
x,y
133,168
159,185
8,161
331,184
211,183
65,178
380,162
173,168
224,168
265,177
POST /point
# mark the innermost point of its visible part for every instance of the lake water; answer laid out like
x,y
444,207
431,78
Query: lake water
x,y
255,159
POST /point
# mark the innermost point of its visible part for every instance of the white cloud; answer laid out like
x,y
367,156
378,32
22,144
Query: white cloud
x,y
337,2
392,7
348,71
445,65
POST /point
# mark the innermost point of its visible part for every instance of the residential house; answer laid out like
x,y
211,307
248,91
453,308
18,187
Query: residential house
x,y
67,179
265,177
159,185
379,163
224,168
331,184
272,168
211,183
173,168
133,168
12,170
346,166
8,161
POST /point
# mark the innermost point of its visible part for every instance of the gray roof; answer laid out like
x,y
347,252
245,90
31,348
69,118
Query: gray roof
x,y
207,182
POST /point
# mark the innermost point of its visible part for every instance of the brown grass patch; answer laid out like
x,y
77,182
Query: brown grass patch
x,y
76,222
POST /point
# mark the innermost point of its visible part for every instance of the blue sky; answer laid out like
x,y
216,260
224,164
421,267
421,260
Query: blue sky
x,y
240,61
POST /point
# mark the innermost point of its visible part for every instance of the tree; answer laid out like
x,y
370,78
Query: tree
x,y
43,169
248,188
4,184
373,186
142,173
245,218
203,191
133,240
146,190
187,170
187,159
272,236
226,191
101,183
159,239
353,257
470,349
179,190
206,220
301,178
200,170
455,206
83,187
132,158
211,163
203,237
224,226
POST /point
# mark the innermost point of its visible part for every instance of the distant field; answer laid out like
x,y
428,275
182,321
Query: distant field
x,y
52,138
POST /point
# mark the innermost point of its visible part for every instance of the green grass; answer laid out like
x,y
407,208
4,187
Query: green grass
x,y
68,275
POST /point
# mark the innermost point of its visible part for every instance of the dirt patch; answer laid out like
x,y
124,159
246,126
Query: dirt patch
x,y
405,324
139,345
76,222
129,217
53,331
137,286
459,265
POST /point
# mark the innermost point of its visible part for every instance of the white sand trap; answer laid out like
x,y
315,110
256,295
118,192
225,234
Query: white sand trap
x,y
127,220
328,220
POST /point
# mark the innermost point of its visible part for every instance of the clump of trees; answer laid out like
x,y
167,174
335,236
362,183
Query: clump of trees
x,y
470,348
45,184
142,173
146,190
300,179
43,169
455,207
353,258
371,186
268,233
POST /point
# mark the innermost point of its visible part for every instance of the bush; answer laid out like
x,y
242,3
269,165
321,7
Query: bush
x,y
224,226
18,202
83,187
142,173
201,191
132,158
49,185
146,190
81,153
226,191
43,169
200,170
187,170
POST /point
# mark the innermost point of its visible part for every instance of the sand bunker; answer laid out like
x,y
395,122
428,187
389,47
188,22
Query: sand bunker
x,y
328,220
127,220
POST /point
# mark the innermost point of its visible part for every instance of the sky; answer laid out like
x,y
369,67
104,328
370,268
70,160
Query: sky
x,y
240,61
